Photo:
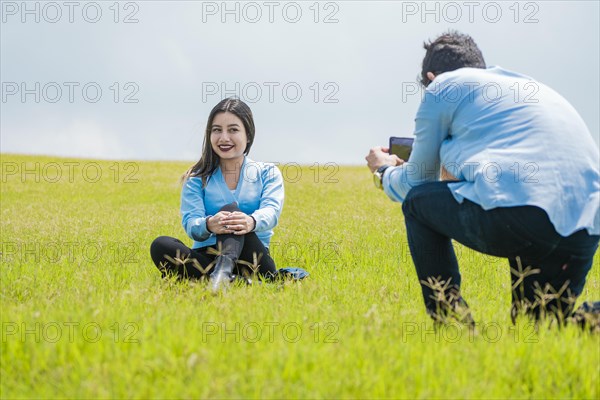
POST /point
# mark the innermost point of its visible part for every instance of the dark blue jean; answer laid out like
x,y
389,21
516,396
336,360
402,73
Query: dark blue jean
x,y
548,270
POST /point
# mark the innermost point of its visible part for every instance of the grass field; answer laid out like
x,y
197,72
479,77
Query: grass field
x,y
85,313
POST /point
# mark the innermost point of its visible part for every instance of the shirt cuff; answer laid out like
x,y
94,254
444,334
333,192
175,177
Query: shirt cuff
x,y
199,231
387,184
256,218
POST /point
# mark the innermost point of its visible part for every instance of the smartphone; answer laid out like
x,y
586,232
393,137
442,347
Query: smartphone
x,y
401,146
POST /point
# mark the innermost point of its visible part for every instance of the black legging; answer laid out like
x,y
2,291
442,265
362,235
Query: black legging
x,y
244,248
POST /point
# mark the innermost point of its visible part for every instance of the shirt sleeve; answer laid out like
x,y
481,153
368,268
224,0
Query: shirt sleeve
x,y
432,126
193,212
271,200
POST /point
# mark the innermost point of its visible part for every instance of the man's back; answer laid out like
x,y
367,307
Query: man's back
x,y
514,141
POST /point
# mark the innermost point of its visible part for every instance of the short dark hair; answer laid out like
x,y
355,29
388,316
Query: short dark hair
x,y
450,51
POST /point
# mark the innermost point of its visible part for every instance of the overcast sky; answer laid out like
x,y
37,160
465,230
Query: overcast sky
x,y
326,81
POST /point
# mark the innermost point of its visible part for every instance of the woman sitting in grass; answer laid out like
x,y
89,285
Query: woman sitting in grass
x,y
229,205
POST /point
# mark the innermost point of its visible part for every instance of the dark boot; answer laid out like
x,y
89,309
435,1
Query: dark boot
x,y
221,276
587,316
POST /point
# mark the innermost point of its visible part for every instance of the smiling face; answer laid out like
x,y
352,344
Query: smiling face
x,y
228,136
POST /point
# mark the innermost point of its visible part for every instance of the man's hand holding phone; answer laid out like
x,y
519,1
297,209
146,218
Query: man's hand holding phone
x,y
380,156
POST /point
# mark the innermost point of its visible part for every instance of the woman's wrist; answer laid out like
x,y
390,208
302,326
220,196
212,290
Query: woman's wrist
x,y
206,221
254,226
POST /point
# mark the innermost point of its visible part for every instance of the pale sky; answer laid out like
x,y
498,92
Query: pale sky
x,y
326,81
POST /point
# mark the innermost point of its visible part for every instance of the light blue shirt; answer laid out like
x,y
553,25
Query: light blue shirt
x,y
259,193
510,141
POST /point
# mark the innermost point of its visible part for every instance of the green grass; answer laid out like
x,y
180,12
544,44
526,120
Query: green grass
x,y
85,313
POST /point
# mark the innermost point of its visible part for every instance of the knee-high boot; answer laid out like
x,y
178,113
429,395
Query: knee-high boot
x,y
221,275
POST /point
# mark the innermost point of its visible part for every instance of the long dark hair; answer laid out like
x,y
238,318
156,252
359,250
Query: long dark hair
x,y
209,161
